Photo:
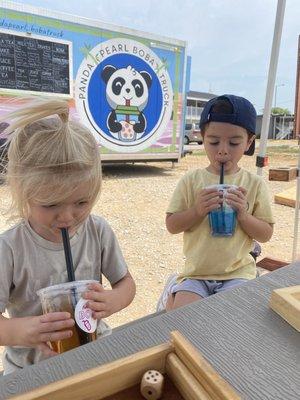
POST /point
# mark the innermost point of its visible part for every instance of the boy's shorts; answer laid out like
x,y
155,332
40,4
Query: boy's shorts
x,y
206,288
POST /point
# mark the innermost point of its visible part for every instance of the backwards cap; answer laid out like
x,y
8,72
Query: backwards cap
x,y
243,115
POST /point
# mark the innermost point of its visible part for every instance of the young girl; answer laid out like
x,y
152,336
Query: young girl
x,y
54,176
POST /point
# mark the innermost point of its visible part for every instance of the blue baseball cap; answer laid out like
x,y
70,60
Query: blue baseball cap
x,y
243,115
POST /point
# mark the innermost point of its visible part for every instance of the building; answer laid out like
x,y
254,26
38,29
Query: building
x,y
195,102
281,126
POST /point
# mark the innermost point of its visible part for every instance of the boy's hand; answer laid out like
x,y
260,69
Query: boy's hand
x,y
37,331
236,198
207,200
102,302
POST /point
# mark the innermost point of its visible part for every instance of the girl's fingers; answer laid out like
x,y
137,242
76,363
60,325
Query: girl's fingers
x,y
97,287
46,350
96,305
100,315
57,325
54,336
99,296
55,316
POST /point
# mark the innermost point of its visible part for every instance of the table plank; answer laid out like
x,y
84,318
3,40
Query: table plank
x,y
252,347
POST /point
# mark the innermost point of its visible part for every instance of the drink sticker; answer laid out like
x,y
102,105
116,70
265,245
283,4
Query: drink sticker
x,y
83,317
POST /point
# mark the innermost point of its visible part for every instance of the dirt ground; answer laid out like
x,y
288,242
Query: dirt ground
x,y
134,199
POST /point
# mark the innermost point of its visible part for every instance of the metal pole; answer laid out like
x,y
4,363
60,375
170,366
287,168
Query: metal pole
x,y
271,80
296,220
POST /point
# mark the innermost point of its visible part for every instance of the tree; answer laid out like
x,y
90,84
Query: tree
x,y
280,111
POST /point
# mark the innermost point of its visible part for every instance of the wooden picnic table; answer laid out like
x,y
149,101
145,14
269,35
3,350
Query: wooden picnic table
x,y
253,348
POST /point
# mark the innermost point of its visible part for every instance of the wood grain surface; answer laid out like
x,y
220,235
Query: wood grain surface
x,y
248,344
286,198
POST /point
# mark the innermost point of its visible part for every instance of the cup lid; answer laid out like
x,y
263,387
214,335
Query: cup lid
x,y
222,186
64,287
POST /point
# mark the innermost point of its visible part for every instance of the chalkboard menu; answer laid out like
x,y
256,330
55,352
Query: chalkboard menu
x,y
31,64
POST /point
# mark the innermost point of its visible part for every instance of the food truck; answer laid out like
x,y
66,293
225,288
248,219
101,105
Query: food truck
x,y
128,87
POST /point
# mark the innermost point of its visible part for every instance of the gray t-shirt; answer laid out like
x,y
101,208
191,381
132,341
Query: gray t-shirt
x,y
29,263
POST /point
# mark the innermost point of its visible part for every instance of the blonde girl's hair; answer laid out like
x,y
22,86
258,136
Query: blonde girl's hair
x,y
48,156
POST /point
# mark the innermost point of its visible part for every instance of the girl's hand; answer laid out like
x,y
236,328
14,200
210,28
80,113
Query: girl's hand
x,y
102,302
207,200
236,198
37,331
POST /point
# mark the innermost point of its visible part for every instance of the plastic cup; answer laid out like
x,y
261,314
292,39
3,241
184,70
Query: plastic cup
x,y
67,297
222,220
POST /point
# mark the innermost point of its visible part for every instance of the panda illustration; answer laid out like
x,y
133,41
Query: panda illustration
x,y
127,92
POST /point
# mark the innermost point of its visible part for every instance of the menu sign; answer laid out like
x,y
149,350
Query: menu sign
x,y
34,64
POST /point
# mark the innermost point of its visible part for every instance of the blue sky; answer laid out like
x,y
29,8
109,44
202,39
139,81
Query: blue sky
x,y
229,40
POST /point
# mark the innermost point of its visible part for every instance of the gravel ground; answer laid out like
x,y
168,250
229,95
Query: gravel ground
x,y
134,199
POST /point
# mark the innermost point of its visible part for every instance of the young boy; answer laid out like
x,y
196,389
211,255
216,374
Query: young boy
x,y
214,264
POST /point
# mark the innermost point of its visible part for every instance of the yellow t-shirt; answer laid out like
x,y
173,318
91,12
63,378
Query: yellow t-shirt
x,y
219,258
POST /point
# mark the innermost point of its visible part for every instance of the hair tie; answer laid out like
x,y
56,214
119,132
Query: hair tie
x,y
64,116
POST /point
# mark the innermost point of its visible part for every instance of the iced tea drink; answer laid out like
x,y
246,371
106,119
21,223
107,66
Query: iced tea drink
x,y
67,297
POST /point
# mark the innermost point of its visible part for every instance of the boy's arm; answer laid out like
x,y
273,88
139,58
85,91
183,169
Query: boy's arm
x,y
206,201
182,221
255,228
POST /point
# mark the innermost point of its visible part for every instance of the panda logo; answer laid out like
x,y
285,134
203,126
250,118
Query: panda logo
x,y
127,93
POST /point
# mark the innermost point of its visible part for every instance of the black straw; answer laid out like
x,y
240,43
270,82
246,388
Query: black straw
x,y
222,174
84,337
68,254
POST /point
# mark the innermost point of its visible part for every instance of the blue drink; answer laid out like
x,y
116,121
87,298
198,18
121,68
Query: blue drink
x,y
222,220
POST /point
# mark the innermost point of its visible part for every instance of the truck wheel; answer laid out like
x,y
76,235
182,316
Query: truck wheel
x,y
186,140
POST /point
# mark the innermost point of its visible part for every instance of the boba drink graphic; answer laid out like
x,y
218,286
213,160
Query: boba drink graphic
x,y
124,94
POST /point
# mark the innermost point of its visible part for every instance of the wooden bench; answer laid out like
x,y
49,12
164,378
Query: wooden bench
x,y
271,264
283,174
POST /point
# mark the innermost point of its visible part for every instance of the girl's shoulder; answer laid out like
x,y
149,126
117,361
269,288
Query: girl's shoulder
x,y
13,231
98,223
97,228
13,238
97,220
